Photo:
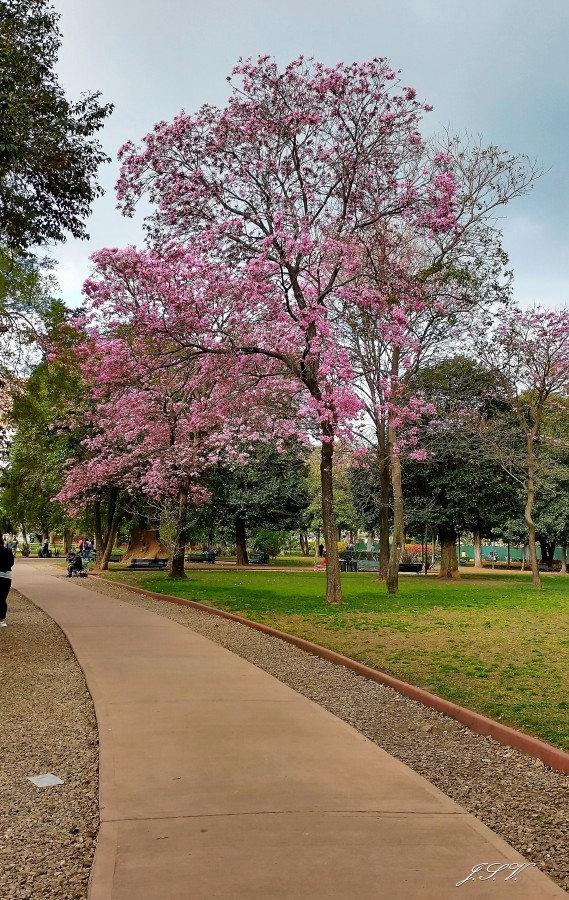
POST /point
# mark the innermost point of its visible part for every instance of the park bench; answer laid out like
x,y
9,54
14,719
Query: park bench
x,y
367,565
258,559
415,567
198,557
148,564
372,565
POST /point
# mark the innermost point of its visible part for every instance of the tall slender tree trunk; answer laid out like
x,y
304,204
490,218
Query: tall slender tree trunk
x,y
241,542
177,569
103,564
564,558
98,518
398,541
329,527
477,544
105,534
535,579
449,561
385,496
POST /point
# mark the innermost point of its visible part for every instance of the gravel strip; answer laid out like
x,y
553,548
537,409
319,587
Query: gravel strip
x,y
47,724
518,797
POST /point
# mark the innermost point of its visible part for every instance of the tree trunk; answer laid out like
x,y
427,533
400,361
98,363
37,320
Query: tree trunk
x,y
304,548
106,538
67,539
179,548
241,542
25,543
477,539
329,527
103,564
398,541
449,562
535,579
564,558
369,541
508,554
97,515
385,494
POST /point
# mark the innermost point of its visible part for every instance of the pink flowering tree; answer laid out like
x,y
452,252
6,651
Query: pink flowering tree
x,y
281,184
420,291
528,353
170,394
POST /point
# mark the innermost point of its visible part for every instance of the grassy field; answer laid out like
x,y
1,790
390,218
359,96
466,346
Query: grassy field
x,y
491,643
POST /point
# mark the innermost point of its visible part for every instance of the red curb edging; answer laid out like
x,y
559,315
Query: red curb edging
x,y
503,734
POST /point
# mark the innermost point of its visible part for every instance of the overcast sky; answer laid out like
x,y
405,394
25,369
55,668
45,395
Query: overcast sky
x,y
497,68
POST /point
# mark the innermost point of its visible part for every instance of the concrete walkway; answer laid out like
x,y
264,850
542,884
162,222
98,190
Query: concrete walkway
x,y
217,782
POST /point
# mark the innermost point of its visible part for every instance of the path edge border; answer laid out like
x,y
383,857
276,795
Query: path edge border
x,y
551,756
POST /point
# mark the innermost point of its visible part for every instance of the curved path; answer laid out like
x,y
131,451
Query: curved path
x,y
217,782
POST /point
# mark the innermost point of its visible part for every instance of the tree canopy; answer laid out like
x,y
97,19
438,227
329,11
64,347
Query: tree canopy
x,y
48,155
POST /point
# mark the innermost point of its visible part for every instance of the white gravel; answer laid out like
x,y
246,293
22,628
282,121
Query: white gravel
x,y
47,724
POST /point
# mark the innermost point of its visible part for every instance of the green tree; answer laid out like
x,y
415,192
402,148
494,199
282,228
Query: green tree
x,y
26,311
347,515
460,486
48,155
271,541
269,491
36,450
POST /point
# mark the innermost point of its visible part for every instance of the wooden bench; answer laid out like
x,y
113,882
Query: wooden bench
x,y
148,564
198,557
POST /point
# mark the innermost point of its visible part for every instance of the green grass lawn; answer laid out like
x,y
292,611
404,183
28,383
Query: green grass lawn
x,y
491,643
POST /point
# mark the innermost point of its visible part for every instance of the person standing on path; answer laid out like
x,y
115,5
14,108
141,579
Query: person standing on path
x,y
6,563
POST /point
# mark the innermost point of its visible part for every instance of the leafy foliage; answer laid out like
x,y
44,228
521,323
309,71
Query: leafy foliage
x,y
48,157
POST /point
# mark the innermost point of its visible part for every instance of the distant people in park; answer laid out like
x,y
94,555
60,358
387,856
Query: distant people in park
x,y
494,556
14,545
210,556
6,563
75,565
320,549
87,547
80,545
45,552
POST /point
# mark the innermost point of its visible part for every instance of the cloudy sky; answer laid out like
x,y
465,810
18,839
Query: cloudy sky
x,y
497,68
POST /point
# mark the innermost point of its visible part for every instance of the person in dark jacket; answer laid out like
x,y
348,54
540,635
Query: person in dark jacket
x,y
76,564
6,563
